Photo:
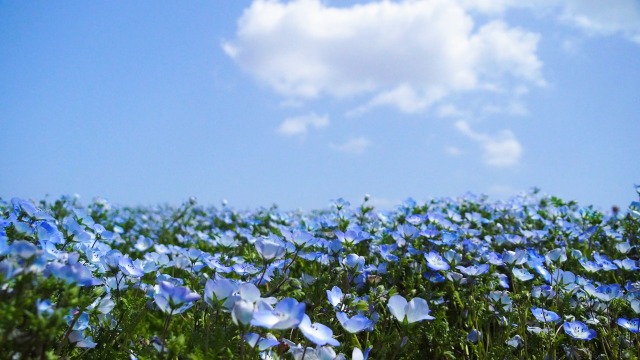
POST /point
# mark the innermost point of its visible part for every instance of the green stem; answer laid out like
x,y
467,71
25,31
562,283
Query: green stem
x,y
164,331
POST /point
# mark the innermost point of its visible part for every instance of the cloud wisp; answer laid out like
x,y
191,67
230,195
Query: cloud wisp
x,y
356,145
299,125
404,54
500,150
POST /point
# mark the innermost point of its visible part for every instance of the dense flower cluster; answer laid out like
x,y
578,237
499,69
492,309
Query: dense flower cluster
x,y
442,278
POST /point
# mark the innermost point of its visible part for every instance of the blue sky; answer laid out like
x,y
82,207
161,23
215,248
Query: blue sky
x,y
296,103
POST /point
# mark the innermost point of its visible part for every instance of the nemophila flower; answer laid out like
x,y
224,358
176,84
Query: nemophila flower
x,y
500,301
354,324
143,243
626,264
351,237
44,307
50,251
242,311
81,341
522,274
435,261
556,256
415,310
473,270
103,305
335,296
111,261
608,292
590,266
23,249
262,342
227,240
565,280
354,262
503,280
542,271
386,252
404,233
515,342
474,336
126,265
578,330
48,231
300,239
72,274
318,333
452,257
270,248
434,277
624,247
632,325
358,355
514,258
81,320
174,299
494,258
545,316
287,314
245,269
605,262
218,290
23,207
537,330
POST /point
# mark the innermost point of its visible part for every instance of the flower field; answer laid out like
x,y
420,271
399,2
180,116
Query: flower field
x,y
532,277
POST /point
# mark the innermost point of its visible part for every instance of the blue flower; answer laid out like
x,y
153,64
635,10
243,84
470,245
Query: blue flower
x,y
354,324
335,296
579,330
354,262
522,274
358,355
270,248
608,292
544,291
300,239
351,237
435,261
218,290
263,343
23,249
72,274
174,299
287,314
474,270
632,325
127,266
474,336
318,333
415,310
545,316
590,266
515,342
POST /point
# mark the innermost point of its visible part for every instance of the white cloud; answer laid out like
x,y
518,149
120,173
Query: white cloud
x,y
596,17
300,125
406,54
605,17
356,145
501,150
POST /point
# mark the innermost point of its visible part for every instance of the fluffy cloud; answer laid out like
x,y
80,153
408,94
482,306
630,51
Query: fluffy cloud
x,y
501,150
300,125
355,145
406,54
